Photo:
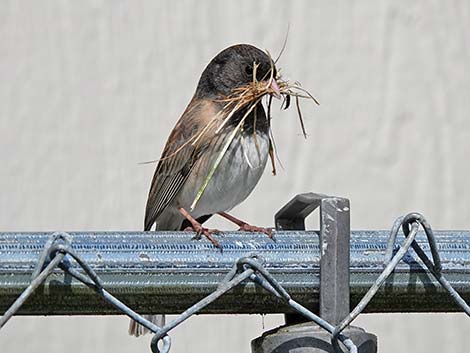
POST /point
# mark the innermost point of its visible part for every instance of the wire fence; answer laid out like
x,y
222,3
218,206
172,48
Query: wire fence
x,y
58,252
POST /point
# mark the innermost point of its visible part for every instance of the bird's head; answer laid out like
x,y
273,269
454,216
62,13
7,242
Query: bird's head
x,y
235,67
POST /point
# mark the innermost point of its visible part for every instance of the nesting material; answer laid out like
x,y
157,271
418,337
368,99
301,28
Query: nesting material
x,y
246,98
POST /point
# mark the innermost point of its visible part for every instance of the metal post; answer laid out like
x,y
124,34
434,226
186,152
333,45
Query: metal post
x,y
334,247
334,280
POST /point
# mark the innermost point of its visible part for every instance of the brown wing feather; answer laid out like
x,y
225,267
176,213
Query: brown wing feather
x,y
178,158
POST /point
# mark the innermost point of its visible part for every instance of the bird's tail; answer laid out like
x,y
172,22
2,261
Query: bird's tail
x,y
136,329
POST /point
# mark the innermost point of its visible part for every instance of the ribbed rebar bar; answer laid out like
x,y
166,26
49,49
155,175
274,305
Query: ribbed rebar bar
x,y
167,272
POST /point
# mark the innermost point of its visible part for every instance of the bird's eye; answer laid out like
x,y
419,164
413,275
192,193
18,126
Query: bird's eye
x,y
249,69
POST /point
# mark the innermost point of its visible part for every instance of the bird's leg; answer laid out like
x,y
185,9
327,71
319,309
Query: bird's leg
x,y
245,226
199,229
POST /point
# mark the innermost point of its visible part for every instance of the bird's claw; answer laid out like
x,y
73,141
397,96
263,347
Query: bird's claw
x,y
249,228
200,231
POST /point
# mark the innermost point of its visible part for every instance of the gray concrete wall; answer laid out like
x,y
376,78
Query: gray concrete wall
x,y
91,88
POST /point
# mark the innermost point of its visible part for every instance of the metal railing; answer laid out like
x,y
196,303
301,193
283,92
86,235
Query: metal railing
x,y
318,275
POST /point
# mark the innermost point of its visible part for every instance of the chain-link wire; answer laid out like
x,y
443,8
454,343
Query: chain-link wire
x,y
58,249
39,275
410,225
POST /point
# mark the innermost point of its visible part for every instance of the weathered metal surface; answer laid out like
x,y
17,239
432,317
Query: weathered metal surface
x,y
334,244
310,338
168,272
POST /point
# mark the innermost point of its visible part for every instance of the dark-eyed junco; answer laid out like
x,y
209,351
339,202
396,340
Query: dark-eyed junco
x,y
218,150
198,139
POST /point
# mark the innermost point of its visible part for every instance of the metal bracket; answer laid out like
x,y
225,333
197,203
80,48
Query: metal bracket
x,y
334,245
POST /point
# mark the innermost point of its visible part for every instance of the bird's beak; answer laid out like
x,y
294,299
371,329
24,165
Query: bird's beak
x,y
275,87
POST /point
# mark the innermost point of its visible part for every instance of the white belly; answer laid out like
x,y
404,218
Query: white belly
x,y
234,179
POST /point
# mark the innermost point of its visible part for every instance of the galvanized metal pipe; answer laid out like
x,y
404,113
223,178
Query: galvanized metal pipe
x,y
167,272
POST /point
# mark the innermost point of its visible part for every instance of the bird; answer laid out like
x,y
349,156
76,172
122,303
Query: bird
x,y
217,151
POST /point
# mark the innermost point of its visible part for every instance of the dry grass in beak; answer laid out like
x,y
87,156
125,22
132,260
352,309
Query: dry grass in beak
x,y
250,95
247,97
